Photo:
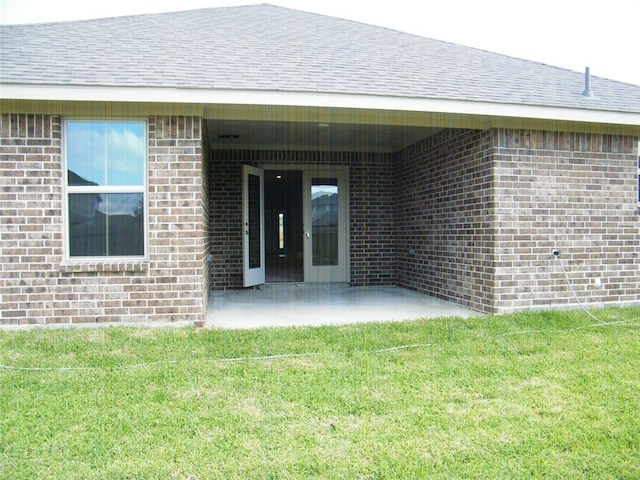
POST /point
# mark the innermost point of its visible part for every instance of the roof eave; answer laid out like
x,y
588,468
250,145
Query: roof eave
x,y
203,98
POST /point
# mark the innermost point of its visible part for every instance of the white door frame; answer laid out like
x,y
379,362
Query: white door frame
x,y
256,275
341,273
331,273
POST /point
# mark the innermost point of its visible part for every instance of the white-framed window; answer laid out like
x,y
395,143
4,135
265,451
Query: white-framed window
x,y
105,188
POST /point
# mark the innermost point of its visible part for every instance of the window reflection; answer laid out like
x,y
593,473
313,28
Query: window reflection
x,y
106,163
109,224
281,231
105,153
324,220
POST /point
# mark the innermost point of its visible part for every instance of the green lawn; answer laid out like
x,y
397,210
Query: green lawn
x,y
545,395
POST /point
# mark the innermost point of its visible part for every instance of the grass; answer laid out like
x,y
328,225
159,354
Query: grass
x,y
536,395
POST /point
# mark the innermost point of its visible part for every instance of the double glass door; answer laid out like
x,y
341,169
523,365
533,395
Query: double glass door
x,y
324,232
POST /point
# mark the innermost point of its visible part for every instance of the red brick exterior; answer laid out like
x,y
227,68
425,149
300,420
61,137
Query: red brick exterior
x,y
37,285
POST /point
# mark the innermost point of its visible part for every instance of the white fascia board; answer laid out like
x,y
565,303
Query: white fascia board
x,y
192,96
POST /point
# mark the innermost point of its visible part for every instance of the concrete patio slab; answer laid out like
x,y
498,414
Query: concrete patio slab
x,y
286,304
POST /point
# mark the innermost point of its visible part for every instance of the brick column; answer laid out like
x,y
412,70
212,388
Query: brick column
x,y
30,216
178,219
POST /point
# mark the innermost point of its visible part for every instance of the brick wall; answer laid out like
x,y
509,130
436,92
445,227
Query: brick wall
x,y
38,286
574,192
478,214
205,202
178,230
468,216
371,220
444,211
30,217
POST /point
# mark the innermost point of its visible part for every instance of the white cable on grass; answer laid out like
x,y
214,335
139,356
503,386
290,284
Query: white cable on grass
x,y
65,369
403,347
573,292
308,354
599,323
267,357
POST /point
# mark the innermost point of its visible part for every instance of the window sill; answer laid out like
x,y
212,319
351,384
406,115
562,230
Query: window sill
x,y
106,266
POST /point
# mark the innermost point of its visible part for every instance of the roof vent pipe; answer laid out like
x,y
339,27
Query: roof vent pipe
x,y
587,84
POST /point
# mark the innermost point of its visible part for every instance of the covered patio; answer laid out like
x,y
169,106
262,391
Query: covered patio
x,y
299,304
417,215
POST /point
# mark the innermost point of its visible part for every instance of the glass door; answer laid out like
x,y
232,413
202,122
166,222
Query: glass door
x,y
253,226
325,225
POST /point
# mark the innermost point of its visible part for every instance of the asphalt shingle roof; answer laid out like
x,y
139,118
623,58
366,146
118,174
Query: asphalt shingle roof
x,y
270,48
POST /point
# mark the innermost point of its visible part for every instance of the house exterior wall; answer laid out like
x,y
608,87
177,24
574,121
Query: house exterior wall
x,y
573,192
444,216
370,211
38,286
478,214
469,216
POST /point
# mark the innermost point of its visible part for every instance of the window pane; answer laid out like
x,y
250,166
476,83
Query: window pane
x,y
324,220
87,226
254,221
281,231
106,224
105,153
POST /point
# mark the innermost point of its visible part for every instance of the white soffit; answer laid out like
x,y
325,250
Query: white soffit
x,y
308,99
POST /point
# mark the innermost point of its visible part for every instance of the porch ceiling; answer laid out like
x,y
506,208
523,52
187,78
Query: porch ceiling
x,y
314,136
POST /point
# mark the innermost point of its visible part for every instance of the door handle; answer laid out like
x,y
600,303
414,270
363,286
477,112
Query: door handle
x,y
308,234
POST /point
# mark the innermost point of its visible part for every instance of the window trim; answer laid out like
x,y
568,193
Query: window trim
x,y
98,262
